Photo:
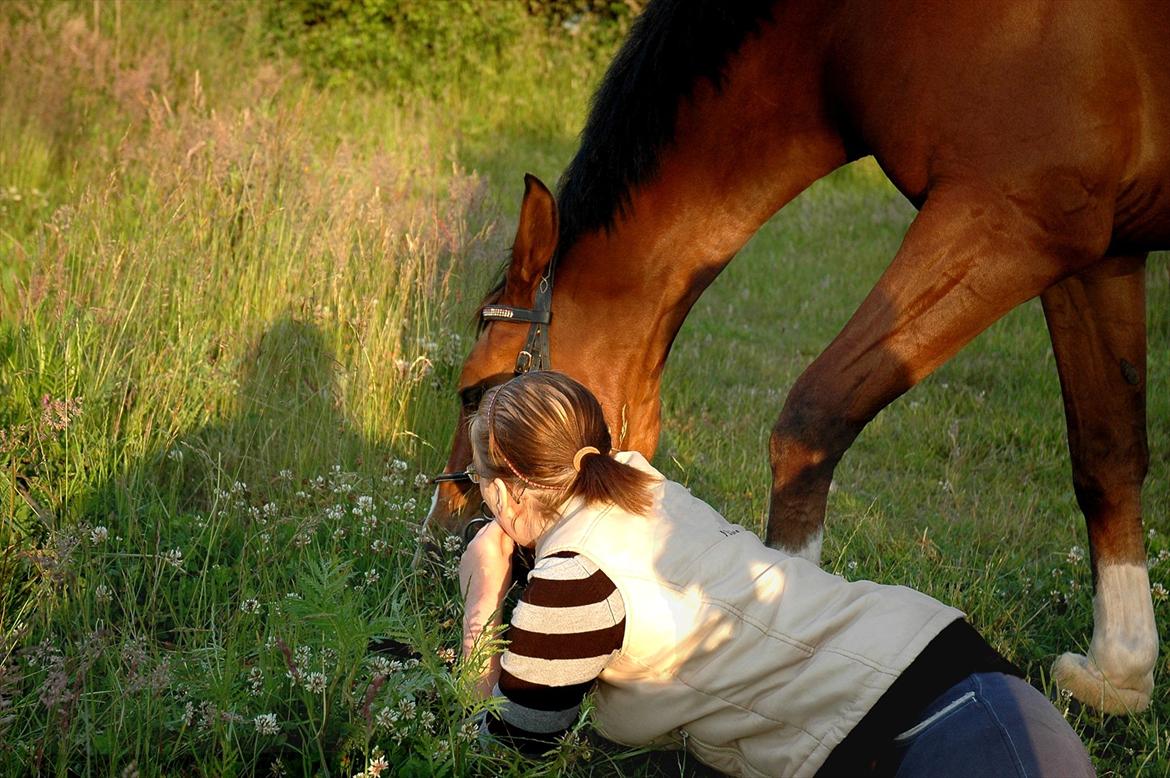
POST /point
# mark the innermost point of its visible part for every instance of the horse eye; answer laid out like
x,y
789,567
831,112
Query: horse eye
x,y
470,398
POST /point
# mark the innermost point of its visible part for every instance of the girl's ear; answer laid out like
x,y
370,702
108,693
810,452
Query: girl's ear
x,y
499,499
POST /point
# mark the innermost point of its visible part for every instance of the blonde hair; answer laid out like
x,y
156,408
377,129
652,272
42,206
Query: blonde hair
x,y
537,429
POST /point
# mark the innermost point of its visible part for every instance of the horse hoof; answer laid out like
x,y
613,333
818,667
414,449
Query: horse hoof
x,y
1080,676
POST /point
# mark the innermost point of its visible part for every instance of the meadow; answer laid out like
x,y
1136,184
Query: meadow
x,y
234,298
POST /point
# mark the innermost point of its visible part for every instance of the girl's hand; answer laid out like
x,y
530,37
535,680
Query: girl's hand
x,y
485,572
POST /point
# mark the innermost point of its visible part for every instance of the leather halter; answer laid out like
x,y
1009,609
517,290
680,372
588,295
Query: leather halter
x,y
536,354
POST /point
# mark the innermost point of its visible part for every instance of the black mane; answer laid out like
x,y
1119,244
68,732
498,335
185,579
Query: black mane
x,y
670,47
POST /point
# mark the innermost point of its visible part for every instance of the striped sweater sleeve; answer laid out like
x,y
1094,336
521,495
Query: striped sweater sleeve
x,y
569,622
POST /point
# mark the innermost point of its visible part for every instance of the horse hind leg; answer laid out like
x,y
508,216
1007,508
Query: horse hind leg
x,y
1097,323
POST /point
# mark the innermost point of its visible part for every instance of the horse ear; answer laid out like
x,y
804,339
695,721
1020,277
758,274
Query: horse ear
x,y
536,236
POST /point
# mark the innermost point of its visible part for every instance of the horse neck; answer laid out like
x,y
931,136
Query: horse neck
x,y
739,154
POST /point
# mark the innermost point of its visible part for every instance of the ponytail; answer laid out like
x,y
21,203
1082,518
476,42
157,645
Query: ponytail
x,y
604,479
547,432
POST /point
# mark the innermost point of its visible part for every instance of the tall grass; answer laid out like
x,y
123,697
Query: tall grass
x,y
232,309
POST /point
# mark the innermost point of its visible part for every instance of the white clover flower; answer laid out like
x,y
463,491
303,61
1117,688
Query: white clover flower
x,y
255,681
302,655
1153,533
339,533
270,509
400,466
421,480
316,683
379,546
265,538
365,503
102,593
1076,555
266,724
410,505
99,534
174,558
250,605
335,512
1159,593
285,475
385,719
446,655
452,543
301,495
852,565
372,577
238,487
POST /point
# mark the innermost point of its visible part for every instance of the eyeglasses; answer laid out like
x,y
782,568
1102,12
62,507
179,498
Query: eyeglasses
x,y
469,474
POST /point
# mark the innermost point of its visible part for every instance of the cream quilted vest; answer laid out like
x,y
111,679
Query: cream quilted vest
x,y
757,662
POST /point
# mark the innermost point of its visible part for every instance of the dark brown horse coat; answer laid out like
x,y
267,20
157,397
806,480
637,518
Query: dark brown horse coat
x,y
1034,137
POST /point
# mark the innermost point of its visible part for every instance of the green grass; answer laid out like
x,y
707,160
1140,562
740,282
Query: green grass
x,y
233,306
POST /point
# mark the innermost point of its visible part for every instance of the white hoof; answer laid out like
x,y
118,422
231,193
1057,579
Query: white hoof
x,y
1084,680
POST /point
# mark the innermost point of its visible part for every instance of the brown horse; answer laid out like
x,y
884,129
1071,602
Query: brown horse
x,y
1033,136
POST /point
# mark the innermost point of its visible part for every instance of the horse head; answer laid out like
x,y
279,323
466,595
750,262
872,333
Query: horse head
x,y
493,357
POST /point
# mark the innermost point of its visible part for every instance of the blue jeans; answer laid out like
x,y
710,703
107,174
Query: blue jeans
x,y
993,725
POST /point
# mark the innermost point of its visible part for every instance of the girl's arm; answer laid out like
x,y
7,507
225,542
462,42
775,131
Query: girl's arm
x,y
485,572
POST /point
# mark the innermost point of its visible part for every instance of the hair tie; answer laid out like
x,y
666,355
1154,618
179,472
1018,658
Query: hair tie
x,y
581,455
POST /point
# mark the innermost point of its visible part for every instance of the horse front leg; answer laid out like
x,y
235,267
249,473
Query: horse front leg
x,y
1097,321
969,257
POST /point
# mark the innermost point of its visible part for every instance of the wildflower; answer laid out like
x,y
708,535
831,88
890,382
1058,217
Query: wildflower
x,y
175,455
1153,533
410,505
1159,593
316,683
385,719
99,534
255,681
238,487
270,509
1076,555
379,546
102,593
377,766
174,558
365,503
250,605
427,719
452,543
371,577
303,655
301,495
421,480
400,466
285,475
266,724
335,512
852,565
446,654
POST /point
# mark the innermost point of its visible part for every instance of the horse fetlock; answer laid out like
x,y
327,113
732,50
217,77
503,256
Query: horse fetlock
x,y
1117,674
1082,677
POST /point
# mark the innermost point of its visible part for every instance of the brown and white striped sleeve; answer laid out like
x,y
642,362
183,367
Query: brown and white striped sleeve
x,y
569,622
